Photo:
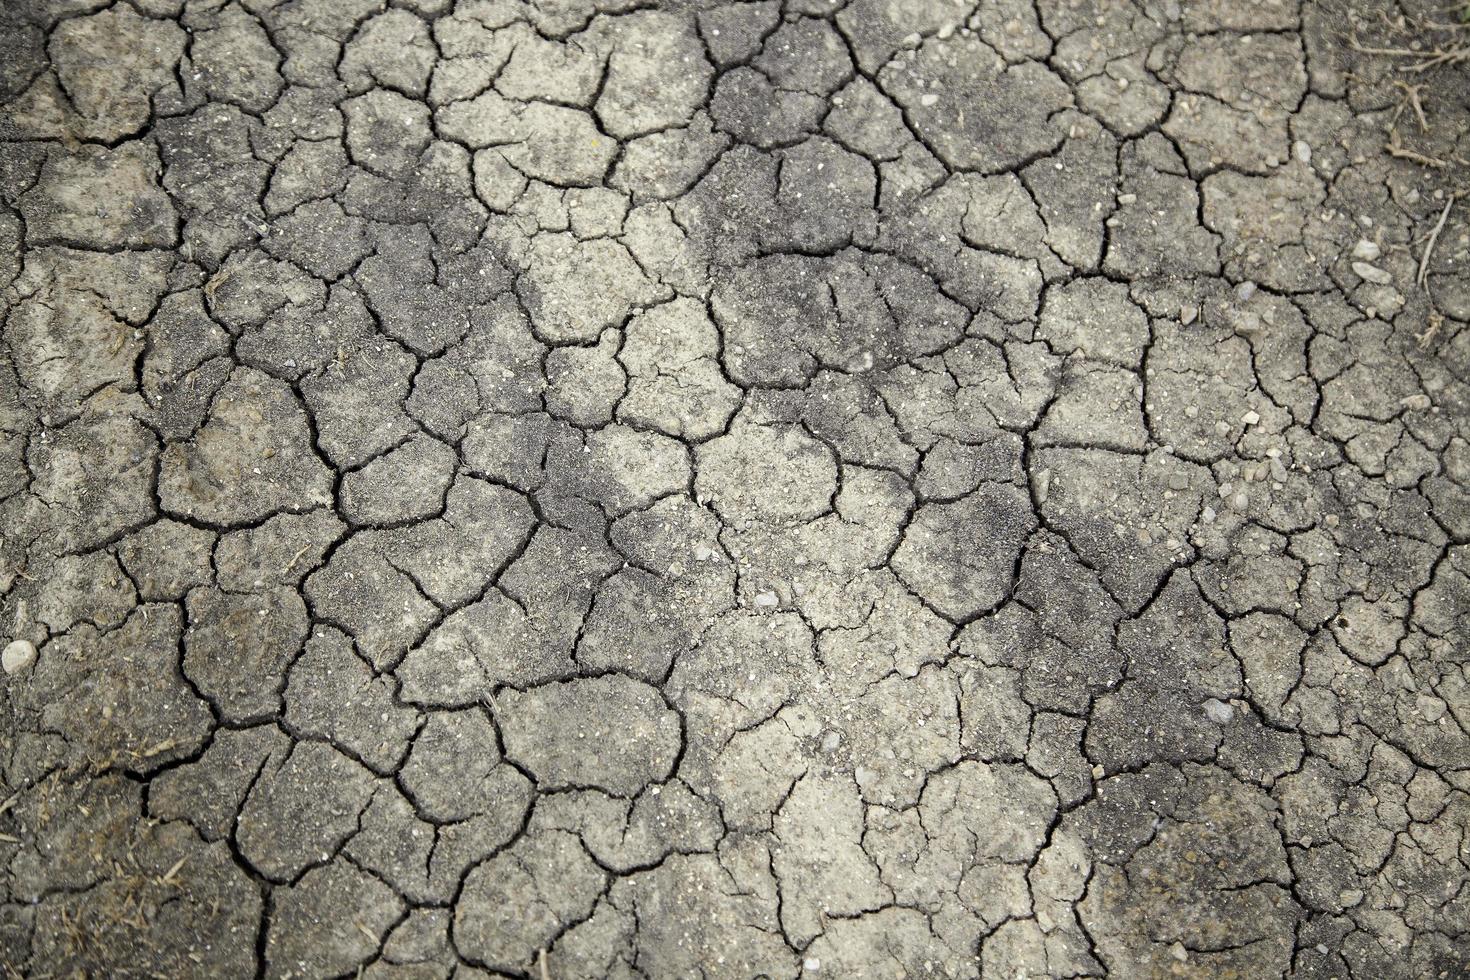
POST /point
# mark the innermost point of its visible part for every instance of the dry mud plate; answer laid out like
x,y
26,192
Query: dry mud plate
x,y
597,488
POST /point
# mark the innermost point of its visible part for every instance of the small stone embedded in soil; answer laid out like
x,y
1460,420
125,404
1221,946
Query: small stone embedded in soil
x,y
1371,273
17,656
1218,711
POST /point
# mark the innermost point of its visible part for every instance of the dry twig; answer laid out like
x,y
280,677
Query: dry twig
x,y
1430,332
1427,59
1411,98
1423,277
1395,148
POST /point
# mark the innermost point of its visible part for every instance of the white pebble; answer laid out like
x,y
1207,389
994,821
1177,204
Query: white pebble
x,y
1366,250
1218,711
1302,150
18,655
1371,273
1245,290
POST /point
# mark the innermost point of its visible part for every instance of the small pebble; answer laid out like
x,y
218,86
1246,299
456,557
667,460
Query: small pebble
x,y
1251,417
766,600
1246,324
1302,150
1366,250
928,99
1218,711
1245,291
1188,313
18,655
1431,708
1043,485
1371,273
1179,952
703,552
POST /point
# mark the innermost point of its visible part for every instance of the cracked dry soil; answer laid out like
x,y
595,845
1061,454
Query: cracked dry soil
x,y
594,488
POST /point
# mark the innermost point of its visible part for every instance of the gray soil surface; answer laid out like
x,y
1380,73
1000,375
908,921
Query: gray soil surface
x,y
591,488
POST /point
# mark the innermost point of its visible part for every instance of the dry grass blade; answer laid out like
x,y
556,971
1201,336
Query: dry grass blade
x,y
1426,338
172,872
